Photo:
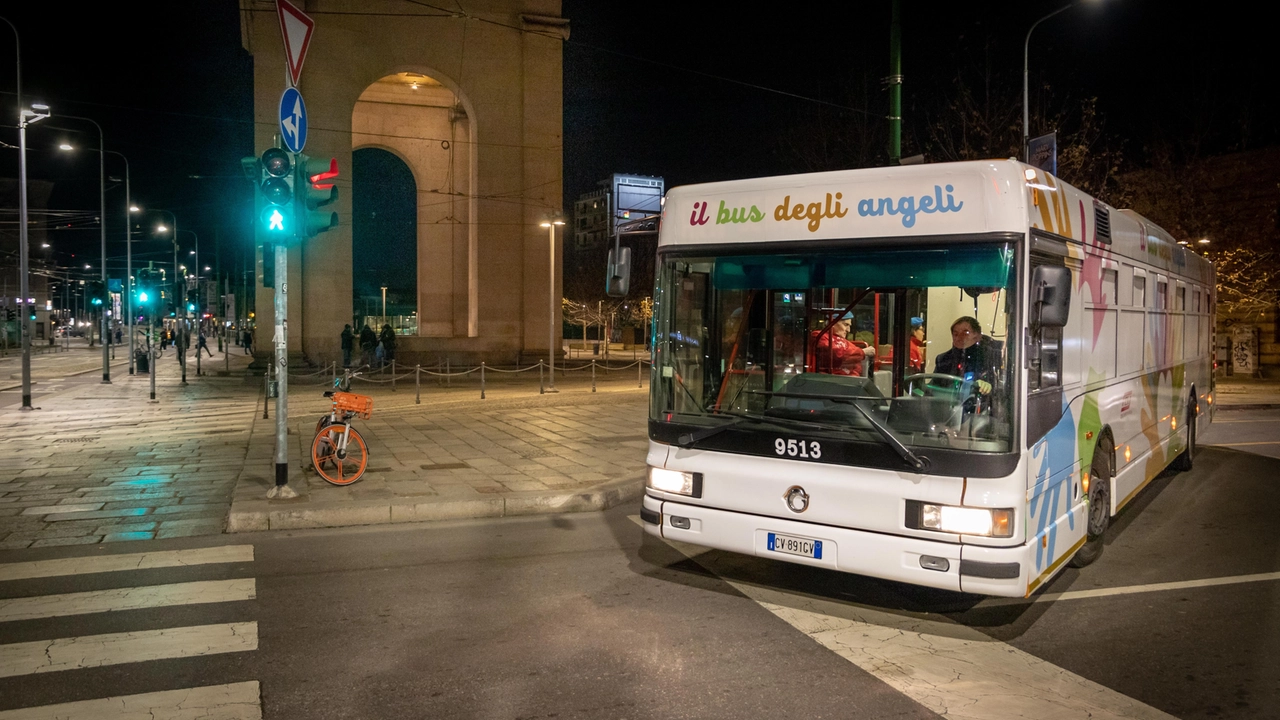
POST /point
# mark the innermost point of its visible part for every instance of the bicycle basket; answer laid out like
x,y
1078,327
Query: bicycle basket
x,y
361,405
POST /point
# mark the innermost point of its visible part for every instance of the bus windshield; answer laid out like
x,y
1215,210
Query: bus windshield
x,y
881,345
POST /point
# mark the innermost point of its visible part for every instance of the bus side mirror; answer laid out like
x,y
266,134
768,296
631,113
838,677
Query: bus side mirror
x,y
1051,296
618,277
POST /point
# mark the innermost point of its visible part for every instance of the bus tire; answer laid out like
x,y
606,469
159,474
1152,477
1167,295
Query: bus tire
x,y
1184,461
1099,516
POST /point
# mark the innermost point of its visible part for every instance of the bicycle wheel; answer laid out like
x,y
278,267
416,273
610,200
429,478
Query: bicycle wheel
x,y
339,468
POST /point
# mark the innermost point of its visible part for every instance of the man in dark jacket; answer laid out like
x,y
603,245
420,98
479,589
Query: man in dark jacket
x,y
368,341
388,339
971,356
348,343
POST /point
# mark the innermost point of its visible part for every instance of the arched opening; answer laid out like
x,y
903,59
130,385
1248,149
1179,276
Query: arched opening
x,y
419,122
384,241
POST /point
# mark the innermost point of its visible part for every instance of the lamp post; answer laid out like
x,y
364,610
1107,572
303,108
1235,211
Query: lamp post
x,y
384,304
127,299
1026,47
550,225
25,117
102,226
178,281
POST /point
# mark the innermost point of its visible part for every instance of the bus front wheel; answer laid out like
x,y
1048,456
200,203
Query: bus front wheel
x,y
1099,505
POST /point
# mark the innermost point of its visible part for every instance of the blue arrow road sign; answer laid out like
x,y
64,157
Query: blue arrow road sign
x,y
293,120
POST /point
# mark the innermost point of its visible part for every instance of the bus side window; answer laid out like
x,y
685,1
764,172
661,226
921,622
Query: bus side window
x,y
1139,290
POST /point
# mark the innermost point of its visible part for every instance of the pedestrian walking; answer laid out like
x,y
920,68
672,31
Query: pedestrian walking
x,y
203,345
348,344
119,336
368,343
248,341
388,341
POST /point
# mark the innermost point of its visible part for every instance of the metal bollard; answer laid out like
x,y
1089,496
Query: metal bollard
x,y
540,387
417,384
393,374
481,379
593,376
639,373
448,381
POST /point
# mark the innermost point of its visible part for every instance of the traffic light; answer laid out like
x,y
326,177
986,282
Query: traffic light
x,y
97,292
315,188
278,216
193,297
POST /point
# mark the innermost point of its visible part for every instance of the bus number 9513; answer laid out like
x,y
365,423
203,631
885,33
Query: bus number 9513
x,y
798,448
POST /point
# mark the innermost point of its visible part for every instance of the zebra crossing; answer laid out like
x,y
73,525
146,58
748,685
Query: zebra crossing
x,y
123,584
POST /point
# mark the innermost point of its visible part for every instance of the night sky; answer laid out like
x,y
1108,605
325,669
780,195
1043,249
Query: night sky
x,y
691,92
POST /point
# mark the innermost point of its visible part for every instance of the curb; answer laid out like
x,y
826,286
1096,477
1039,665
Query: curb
x,y
1248,406
292,515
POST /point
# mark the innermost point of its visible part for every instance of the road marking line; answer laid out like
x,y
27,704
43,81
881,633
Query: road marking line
x,y
90,651
1154,587
1262,442
234,701
951,669
133,561
130,598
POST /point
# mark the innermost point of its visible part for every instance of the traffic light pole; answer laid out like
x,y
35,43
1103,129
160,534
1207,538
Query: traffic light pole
x,y
281,341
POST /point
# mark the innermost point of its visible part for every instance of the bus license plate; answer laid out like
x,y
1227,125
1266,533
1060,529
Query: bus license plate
x,y
804,547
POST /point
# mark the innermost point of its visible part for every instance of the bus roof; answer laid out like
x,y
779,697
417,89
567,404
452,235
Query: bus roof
x,y
931,200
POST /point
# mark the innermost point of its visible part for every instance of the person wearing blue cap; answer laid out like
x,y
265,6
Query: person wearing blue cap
x,y
917,344
834,353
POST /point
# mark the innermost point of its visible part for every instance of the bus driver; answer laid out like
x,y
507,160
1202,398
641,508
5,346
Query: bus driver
x,y
971,356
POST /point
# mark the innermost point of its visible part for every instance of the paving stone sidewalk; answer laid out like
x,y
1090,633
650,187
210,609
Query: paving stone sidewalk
x,y
99,463
457,456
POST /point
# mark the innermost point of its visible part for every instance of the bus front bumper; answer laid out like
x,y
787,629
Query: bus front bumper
x,y
948,566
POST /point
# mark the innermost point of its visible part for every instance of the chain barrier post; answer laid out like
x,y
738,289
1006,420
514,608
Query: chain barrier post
x,y
541,390
448,379
439,376
639,373
393,374
481,379
593,376
417,384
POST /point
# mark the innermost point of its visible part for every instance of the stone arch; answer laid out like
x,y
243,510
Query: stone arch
x,y
422,117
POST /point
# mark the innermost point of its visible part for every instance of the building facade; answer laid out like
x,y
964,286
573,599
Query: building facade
x,y
470,102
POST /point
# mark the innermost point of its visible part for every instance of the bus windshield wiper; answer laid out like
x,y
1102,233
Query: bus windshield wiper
x,y
693,438
918,462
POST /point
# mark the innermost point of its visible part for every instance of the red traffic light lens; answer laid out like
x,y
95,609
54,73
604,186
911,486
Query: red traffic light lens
x,y
276,162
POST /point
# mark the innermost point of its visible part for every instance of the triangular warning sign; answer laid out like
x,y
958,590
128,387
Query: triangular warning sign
x,y
296,29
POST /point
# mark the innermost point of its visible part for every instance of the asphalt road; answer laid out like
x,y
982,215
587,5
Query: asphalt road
x,y
583,616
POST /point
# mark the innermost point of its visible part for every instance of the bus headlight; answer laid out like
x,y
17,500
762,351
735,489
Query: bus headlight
x,y
960,520
673,481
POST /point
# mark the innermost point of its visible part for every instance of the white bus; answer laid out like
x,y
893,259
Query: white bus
x,y
951,375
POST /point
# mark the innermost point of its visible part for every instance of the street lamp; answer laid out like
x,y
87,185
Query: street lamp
x,y
550,225
128,243
102,226
384,304
1026,46
25,117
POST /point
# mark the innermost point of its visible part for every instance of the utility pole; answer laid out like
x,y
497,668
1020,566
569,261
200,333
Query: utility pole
x,y
895,86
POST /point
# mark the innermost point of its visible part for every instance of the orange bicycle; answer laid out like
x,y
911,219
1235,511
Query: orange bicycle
x,y
338,452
